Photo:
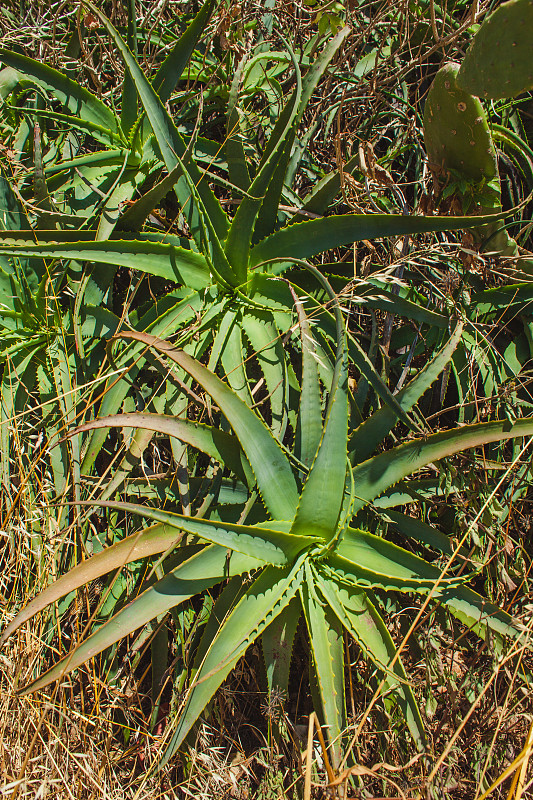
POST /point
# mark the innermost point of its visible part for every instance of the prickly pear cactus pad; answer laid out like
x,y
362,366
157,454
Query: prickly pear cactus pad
x,y
499,62
462,155
456,133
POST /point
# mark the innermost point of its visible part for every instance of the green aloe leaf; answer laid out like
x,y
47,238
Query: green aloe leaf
x,y
364,623
135,216
307,239
220,339
98,132
269,463
9,80
325,190
131,460
483,617
325,323
172,67
363,559
78,100
419,530
270,593
114,157
379,296
354,564
503,297
12,214
233,357
323,492
309,426
165,260
377,474
148,542
202,571
173,319
327,647
272,546
366,438
234,150
128,113
319,67
110,211
219,445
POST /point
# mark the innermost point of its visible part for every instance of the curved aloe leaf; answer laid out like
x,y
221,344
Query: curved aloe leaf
x,y
309,84
98,132
265,599
364,623
233,357
357,356
165,260
419,530
128,112
269,463
172,67
148,542
325,190
234,150
272,546
481,616
9,80
307,239
374,476
99,159
77,99
135,216
173,319
202,571
12,214
379,296
363,559
281,176
121,192
503,297
131,460
219,445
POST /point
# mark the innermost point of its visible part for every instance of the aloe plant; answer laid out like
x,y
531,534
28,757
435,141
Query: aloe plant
x,y
306,554
227,266
302,478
